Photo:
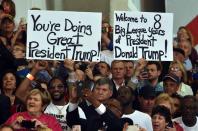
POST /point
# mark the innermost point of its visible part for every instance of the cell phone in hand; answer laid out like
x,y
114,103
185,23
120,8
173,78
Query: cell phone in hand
x,y
80,86
144,74
28,124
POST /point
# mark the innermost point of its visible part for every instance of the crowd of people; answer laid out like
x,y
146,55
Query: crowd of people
x,y
110,95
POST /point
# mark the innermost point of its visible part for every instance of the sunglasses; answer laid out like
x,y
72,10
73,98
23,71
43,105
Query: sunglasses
x,y
176,69
59,86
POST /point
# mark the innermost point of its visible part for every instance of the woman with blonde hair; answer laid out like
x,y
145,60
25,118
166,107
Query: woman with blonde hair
x,y
184,34
34,118
165,100
186,42
177,68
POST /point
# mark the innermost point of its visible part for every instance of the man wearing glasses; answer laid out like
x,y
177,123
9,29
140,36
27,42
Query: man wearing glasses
x,y
57,89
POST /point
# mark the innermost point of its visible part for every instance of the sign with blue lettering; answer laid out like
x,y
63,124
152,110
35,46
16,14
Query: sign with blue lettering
x,y
143,35
57,35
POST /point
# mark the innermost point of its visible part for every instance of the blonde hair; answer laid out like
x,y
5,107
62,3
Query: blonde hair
x,y
191,39
164,97
45,95
182,68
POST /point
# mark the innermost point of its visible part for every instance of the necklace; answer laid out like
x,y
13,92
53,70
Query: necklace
x,y
59,109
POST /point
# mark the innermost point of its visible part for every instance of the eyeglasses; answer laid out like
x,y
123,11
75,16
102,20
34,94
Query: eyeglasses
x,y
60,86
176,69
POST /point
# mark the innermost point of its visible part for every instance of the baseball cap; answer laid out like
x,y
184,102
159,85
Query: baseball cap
x,y
179,50
173,77
147,92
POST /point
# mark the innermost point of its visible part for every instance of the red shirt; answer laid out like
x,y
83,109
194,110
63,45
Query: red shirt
x,y
46,119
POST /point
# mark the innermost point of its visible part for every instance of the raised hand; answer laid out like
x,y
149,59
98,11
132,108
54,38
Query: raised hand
x,y
17,123
89,73
88,95
69,64
38,66
41,65
140,66
73,96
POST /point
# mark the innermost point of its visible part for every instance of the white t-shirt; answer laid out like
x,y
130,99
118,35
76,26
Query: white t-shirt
x,y
141,119
60,113
185,90
107,56
186,128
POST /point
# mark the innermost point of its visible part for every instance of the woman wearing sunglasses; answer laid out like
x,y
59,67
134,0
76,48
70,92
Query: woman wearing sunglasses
x,y
177,68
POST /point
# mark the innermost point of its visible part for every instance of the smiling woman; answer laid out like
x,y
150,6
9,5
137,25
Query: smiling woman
x,y
9,83
34,118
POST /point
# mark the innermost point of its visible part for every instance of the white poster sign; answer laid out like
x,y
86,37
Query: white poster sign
x,y
57,35
143,35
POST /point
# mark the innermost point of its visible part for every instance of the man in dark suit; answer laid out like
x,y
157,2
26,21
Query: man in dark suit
x,y
98,117
118,71
4,108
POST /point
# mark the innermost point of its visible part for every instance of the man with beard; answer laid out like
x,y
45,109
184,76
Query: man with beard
x,y
57,90
154,70
59,104
188,120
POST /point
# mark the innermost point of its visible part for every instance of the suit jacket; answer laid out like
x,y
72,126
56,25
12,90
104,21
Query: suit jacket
x,y
94,121
115,91
4,108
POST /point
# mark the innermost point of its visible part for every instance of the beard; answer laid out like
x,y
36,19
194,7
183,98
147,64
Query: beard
x,y
57,97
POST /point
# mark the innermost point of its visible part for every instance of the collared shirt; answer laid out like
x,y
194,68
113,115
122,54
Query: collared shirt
x,y
100,110
187,64
118,86
184,90
159,88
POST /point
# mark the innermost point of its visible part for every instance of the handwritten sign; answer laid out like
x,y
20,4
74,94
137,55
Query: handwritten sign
x,y
143,35
57,35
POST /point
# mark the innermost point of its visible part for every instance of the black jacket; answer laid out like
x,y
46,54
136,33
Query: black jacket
x,y
7,60
94,121
4,108
115,91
